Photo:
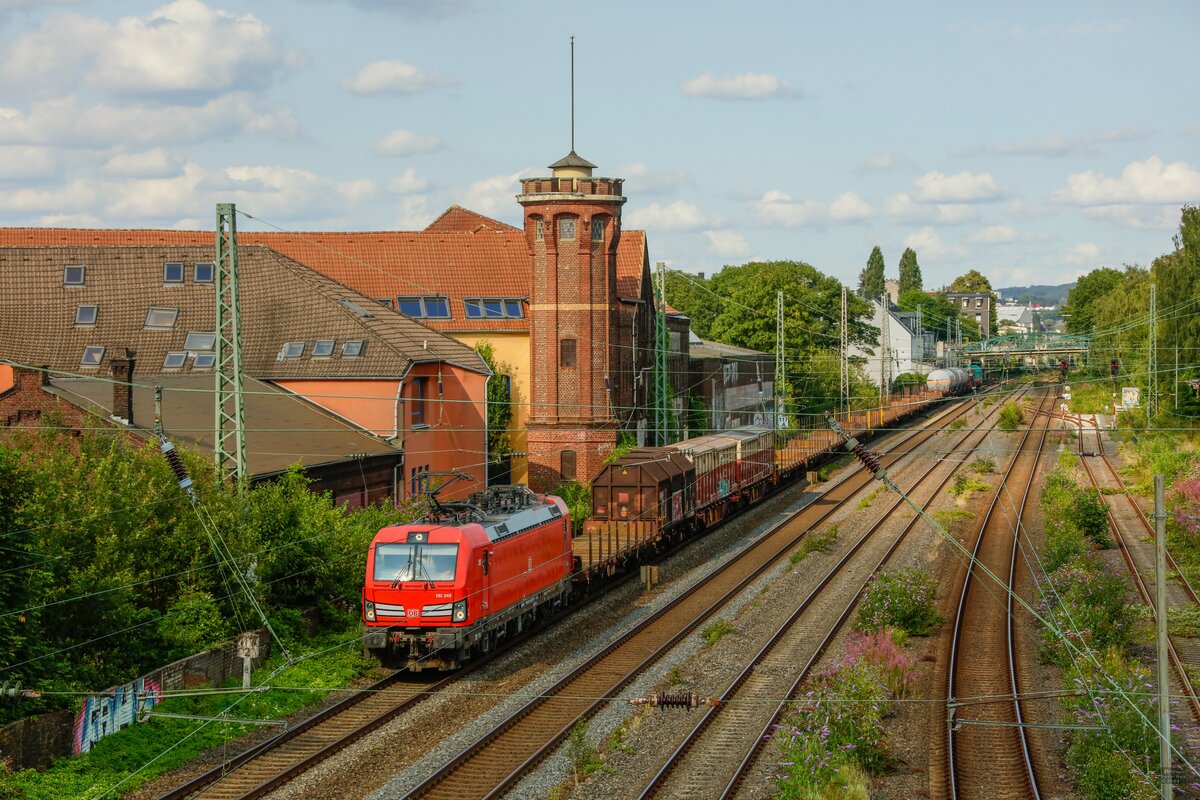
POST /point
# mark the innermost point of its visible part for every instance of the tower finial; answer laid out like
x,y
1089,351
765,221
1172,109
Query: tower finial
x,y
572,94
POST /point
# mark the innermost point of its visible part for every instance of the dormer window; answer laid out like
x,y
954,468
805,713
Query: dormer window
x,y
494,308
431,307
73,275
86,315
202,272
173,272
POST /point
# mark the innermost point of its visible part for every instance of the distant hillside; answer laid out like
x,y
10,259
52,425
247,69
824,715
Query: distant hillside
x,y
1042,295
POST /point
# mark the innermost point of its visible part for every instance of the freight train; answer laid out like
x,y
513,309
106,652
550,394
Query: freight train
x,y
955,380
454,584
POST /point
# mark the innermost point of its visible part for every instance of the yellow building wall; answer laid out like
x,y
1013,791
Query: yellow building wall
x,y
511,349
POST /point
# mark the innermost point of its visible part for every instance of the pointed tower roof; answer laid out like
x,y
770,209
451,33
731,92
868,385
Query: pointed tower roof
x,y
572,165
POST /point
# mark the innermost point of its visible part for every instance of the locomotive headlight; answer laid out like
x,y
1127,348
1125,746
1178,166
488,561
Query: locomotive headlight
x,y
369,611
460,611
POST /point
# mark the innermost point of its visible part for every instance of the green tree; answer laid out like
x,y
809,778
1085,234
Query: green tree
x,y
972,281
1078,310
910,272
499,403
746,297
692,295
935,309
871,282
1177,275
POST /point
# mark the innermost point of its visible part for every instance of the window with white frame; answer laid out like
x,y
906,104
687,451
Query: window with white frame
x,y
202,272
86,315
173,272
161,319
74,275
92,356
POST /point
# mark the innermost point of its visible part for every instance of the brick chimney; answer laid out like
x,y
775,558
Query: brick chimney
x,y
122,373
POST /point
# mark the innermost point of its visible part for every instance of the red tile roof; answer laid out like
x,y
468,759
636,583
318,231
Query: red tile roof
x,y
460,255
457,219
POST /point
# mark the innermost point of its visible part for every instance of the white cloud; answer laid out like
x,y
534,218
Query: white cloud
x,y
678,216
77,196
493,197
965,187
930,247
727,243
394,77
885,162
148,164
1165,218
776,208
1150,181
65,121
849,207
993,234
642,181
902,208
83,220
183,46
407,183
1058,145
1086,253
413,213
406,143
748,86
22,162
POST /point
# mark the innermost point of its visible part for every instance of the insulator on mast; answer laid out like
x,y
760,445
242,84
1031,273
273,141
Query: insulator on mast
x,y
667,700
177,467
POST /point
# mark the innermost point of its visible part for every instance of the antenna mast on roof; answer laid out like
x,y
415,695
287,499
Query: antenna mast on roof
x,y
572,94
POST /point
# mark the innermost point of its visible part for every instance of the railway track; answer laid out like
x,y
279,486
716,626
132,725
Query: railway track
x,y
725,743
517,744
987,751
1125,521
271,764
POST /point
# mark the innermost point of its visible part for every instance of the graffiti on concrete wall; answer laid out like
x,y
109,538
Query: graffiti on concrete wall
x,y
107,713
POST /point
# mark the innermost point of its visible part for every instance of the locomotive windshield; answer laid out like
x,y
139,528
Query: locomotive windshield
x,y
415,562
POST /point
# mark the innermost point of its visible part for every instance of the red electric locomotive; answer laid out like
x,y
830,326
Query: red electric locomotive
x,y
466,575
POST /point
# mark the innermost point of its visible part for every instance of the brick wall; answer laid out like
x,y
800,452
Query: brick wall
x,y
27,401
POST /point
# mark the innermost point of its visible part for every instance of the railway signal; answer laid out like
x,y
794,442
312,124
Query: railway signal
x,y
1114,367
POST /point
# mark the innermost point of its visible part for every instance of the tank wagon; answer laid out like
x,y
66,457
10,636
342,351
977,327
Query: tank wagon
x,y
949,380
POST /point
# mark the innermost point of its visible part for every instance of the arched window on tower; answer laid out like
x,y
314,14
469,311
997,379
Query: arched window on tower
x,y
539,230
566,228
597,229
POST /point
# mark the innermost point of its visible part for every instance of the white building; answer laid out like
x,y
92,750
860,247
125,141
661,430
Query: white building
x,y
909,350
1014,319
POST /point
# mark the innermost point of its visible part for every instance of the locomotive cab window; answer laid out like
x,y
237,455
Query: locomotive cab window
x,y
415,562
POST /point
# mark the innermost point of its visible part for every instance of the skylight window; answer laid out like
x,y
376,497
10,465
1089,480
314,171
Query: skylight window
x,y
173,272
353,348
74,274
161,319
494,308
204,360
322,348
92,356
424,307
86,315
291,350
199,340
202,272
174,360
357,309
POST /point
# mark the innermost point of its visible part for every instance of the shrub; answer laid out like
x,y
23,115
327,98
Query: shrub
x,y
964,484
1090,515
1087,604
1011,417
814,543
714,632
904,599
581,753
882,651
578,497
983,466
957,425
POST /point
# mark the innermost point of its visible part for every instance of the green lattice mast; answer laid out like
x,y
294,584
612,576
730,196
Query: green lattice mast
x,y
662,343
229,444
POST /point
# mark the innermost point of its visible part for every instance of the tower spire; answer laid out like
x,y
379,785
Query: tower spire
x,y
572,94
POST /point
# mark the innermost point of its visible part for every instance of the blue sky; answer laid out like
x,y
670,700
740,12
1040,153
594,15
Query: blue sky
x,y
1031,141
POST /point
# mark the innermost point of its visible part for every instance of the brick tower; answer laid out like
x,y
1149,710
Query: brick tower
x,y
572,226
